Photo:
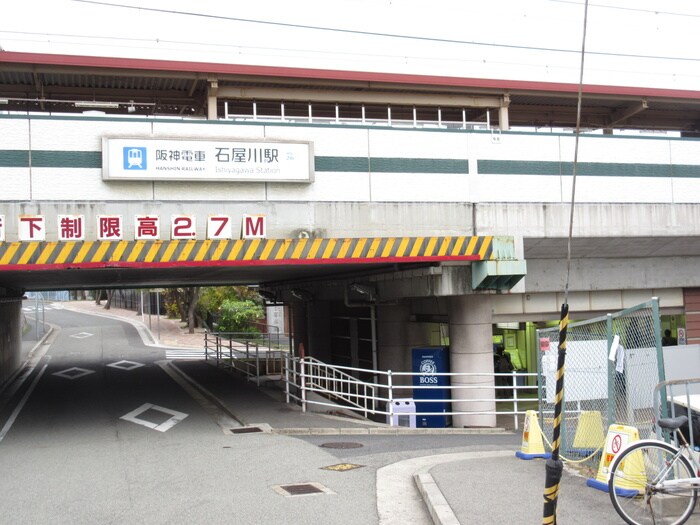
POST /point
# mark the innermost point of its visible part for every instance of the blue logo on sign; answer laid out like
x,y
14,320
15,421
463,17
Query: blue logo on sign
x,y
134,158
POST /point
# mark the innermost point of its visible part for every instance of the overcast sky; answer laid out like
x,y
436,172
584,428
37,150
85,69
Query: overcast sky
x,y
536,40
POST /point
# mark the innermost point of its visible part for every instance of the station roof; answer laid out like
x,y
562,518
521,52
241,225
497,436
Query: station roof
x,y
31,82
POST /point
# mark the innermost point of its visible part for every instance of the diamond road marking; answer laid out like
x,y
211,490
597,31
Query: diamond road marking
x,y
82,335
125,365
164,426
73,373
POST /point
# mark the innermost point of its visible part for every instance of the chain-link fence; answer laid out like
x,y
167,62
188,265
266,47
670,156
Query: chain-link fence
x,y
613,363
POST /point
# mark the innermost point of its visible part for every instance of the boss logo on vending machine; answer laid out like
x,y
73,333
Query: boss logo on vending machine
x,y
428,366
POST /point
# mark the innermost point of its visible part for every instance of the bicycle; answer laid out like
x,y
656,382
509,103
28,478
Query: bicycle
x,y
653,482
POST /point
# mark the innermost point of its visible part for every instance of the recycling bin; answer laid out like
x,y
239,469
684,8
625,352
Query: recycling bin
x,y
404,413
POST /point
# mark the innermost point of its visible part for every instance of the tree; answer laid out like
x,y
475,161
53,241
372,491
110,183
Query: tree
x,y
240,316
191,296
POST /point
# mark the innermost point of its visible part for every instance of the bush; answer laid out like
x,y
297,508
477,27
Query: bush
x,y
239,316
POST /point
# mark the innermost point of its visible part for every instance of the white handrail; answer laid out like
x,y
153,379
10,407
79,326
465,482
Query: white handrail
x,y
331,381
327,380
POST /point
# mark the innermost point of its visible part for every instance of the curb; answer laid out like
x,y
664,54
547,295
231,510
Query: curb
x,y
438,507
388,431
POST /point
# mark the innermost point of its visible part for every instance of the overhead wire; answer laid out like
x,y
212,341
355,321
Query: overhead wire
x,y
380,34
577,135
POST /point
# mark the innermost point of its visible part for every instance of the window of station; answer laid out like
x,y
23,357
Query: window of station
x,y
353,113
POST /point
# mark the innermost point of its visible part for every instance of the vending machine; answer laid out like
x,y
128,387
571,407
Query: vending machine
x,y
427,363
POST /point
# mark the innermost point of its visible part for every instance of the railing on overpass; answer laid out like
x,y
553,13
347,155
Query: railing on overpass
x,y
338,387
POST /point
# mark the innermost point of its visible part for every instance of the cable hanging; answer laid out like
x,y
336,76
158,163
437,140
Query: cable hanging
x,y
554,466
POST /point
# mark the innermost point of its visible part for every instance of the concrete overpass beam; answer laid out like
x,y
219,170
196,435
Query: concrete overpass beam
x,y
471,350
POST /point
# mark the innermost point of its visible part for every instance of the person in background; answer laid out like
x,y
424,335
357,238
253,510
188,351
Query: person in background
x,y
503,365
668,339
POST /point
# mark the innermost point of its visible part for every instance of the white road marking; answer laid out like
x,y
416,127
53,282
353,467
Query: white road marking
x,y
126,365
162,427
82,335
20,406
73,373
184,353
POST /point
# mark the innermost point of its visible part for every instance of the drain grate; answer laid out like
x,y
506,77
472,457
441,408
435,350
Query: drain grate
x,y
342,444
245,430
302,489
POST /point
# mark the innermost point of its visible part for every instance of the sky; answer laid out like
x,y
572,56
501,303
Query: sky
x,y
641,43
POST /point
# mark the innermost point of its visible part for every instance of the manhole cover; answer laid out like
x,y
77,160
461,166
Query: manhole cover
x,y
302,489
342,444
245,430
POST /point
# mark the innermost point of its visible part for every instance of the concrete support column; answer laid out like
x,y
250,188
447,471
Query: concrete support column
x,y
10,336
503,123
300,324
471,350
392,338
212,99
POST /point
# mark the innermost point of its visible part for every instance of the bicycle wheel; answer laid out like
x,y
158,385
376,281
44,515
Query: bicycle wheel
x,y
632,476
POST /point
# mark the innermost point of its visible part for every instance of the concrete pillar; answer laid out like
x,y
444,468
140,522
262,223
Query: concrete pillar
x,y
10,336
212,99
300,327
396,336
319,329
392,337
471,350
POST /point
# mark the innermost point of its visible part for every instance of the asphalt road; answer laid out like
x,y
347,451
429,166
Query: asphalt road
x,y
100,433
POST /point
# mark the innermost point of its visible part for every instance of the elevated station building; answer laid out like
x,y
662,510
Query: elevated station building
x,y
387,211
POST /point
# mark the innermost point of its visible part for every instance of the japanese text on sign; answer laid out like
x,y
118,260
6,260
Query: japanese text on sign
x,y
206,160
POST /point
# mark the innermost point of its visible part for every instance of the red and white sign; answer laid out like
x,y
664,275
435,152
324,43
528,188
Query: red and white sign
x,y
544,344
110,228
219,227
183,227
2,228
32,228
616,444
146,227
71,227
254,227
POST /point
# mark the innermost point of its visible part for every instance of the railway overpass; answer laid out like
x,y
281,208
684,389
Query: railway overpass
x,y
398,201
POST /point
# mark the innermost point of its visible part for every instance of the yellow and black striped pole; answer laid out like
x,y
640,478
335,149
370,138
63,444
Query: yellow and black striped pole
x,y
554,466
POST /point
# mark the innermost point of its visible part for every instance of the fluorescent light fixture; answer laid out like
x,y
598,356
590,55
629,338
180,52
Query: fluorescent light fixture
x,y
96,104
364,289
4,101
302,295
267,295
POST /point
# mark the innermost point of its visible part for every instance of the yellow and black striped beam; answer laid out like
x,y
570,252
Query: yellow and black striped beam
x,y
260,252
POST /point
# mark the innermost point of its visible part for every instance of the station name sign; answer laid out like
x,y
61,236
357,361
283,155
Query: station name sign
x,y
143,158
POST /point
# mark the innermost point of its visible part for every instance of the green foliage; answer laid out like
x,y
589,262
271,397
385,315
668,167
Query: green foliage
x,y
211,298
239,316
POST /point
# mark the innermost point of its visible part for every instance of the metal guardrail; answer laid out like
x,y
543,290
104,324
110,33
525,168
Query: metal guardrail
x,y
303,376
253,355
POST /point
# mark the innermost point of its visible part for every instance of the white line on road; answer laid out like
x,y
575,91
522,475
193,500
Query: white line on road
x,y
19,407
